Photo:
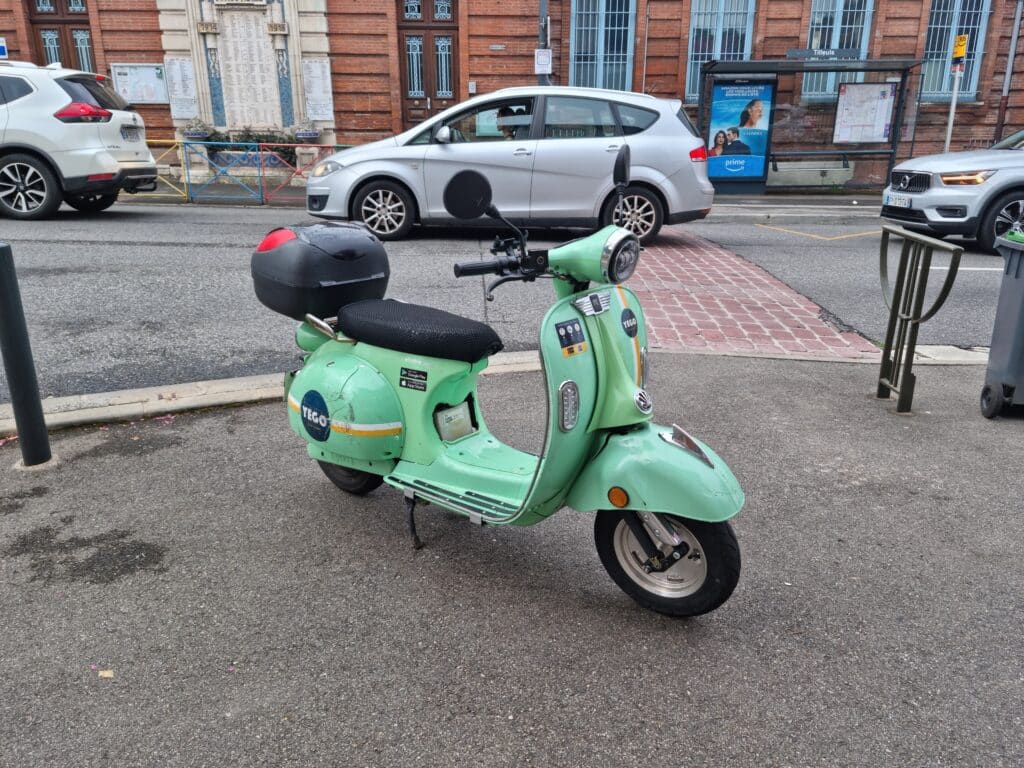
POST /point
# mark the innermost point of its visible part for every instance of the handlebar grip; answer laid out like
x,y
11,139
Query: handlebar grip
x,y
469,268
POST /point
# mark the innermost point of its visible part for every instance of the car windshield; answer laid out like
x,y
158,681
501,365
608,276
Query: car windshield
x,y
1013,141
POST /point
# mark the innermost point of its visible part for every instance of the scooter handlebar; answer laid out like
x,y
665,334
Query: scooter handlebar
x,y
495,267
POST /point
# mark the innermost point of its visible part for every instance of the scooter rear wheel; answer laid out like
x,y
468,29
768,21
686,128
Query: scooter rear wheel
x,y
700,582
351,481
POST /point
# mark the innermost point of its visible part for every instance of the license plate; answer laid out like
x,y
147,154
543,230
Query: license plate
x,y
129,133
897,200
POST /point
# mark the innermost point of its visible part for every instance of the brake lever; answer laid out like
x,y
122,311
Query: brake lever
x,y
489,294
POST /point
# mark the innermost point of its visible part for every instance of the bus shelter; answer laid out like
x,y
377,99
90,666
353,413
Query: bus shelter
x,y
804,122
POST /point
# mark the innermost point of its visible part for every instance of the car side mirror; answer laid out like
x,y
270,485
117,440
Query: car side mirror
x,y
443,135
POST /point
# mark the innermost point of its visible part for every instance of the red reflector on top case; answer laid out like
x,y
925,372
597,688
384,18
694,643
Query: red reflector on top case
x,y
276,238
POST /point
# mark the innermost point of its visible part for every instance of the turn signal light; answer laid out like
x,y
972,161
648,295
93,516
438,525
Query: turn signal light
x,y
618,497
699,155
80,112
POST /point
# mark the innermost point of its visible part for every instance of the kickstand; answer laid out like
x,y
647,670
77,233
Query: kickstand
x,y
410,506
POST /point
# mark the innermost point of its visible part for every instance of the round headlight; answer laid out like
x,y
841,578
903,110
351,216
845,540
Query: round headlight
x,y
326,168
621,257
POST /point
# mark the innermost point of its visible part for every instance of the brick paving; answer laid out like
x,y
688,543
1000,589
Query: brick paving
x,y
699,297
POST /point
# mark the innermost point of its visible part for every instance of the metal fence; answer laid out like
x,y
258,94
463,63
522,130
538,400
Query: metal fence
x,y
239,172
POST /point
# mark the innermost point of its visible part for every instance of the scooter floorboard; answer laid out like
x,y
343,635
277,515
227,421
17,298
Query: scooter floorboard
x,y
477,475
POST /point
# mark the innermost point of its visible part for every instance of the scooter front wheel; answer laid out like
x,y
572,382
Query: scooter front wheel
x,y
699,582
351,481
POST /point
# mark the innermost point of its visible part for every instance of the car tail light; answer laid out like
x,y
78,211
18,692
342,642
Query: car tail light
x,y
80,112
100,177
699,155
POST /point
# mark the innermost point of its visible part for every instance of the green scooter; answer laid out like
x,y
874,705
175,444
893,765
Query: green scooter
x,y
388,394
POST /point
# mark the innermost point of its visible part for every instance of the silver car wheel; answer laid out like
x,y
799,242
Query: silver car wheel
x,y
383,211
681,580
22,187
1011,217
636,213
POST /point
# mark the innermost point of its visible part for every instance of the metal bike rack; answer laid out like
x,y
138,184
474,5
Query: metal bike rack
x,y
906,302
21,370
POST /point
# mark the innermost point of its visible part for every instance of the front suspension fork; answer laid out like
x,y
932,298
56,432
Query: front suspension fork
x,y
657,561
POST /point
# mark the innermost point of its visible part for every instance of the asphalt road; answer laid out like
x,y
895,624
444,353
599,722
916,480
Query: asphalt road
x,y
147,295
829,252
247,613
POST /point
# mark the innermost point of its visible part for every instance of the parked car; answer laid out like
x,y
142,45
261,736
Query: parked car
x,y
547,152
977,194
65,135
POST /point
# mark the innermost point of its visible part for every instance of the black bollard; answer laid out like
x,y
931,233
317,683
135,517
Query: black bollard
x,y
20,368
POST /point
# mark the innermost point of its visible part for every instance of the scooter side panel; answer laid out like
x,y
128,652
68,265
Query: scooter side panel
x,y
658,476
343,406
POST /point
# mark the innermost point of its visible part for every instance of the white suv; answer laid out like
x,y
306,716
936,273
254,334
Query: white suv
x,y
65,135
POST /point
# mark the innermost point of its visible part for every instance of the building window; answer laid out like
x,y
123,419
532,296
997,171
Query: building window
x,y
414,58
83,47
443,52
946,20
413,10
51,45
601,43
837,24
719,29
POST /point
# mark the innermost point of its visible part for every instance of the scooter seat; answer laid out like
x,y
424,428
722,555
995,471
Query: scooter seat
x,y
418,330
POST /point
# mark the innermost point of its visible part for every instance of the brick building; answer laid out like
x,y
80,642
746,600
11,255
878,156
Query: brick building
x,y
362,70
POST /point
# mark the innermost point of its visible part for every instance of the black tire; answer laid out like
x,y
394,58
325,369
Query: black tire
x,y
1005,213
353,481
685,589
29,190
385,208
90,203
992,401
644,214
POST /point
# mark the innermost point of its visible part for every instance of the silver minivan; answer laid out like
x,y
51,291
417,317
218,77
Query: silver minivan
x,y
547,152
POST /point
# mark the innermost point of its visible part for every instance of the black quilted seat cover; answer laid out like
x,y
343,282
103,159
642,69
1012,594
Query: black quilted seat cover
x,y
418,330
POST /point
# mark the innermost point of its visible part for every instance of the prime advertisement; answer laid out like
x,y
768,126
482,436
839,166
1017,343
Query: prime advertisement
x,y
739,131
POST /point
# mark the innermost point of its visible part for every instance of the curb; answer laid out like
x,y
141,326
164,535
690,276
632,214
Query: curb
x,y
145,403
135,404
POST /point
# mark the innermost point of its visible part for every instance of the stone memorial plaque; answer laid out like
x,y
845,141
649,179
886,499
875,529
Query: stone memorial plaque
x,y
316,80
248,70
181,87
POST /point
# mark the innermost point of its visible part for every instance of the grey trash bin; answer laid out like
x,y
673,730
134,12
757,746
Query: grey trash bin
x,y
1005,371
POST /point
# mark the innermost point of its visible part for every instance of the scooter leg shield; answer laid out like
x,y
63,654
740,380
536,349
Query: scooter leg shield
x,y
659,475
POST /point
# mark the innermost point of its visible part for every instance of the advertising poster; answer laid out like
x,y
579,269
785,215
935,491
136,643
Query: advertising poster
x,y
741,117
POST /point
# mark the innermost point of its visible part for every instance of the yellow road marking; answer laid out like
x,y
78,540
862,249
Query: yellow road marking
x,y
820,237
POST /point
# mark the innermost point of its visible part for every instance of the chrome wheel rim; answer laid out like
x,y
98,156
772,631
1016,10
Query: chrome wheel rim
x,y
1011,218
22,187
383,211
683,579
636,213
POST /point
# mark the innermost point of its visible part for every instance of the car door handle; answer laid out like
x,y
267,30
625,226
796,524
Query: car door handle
x,y
612,148
522,153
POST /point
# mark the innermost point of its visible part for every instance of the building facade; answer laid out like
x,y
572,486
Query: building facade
x,y
357,70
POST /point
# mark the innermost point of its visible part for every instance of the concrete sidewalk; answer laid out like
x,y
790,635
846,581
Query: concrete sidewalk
x,y
192,591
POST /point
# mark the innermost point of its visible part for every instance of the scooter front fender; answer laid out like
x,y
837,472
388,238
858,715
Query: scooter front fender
x,y
659,475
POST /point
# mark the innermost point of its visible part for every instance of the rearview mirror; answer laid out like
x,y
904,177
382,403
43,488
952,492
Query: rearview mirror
x,y
467,195
443,135
620,172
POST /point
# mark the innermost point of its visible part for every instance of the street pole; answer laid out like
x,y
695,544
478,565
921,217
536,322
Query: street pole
x,y
20,368
543,38
952,107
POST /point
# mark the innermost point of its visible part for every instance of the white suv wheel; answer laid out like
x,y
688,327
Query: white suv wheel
x,y
28,189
